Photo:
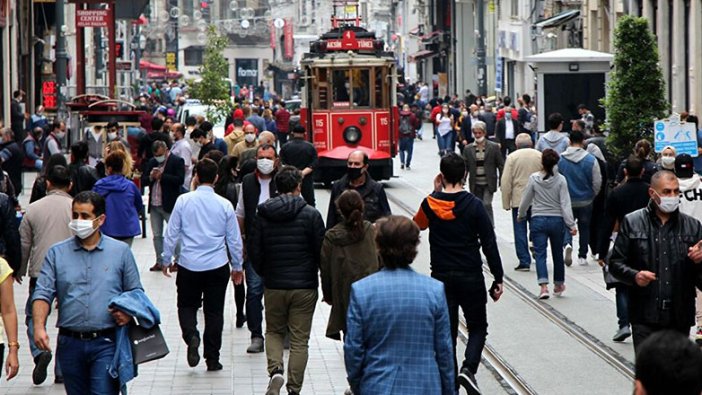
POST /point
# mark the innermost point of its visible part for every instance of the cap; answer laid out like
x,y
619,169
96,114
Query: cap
x,y
684,166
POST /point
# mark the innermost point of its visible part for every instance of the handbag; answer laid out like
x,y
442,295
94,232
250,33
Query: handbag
x,y
609,279
147,344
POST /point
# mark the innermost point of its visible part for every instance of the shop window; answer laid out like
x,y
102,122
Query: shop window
x,y
193,56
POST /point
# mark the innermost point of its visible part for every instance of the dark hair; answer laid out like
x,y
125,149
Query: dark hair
x,y
215,155
576,137
156,123
206,126
582,107
634,166
549,159
224,174
158,144
112,124
693,119
16,94
264,147
288,179
642,149
55,160
299,129
93,198
179,128
115,161
554,121
79,151
190,121
580,123
507,101
668,362
56,124
350,206
526,98
397,238
453,168
59,176
238,122
197,133
206,171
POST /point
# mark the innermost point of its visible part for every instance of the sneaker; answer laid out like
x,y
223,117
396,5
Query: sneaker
x,y
213,365
41,362
698,335
256,346
275,384
408,167
402,167
582,261
559,289
348,392
568,252
466,379
522,268
240,320
622,334
193,354
543,295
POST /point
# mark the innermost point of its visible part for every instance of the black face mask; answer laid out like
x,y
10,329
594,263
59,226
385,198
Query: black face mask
x,y
354,172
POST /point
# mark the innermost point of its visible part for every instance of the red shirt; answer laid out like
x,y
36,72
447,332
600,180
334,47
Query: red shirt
x,y
501,114
282,120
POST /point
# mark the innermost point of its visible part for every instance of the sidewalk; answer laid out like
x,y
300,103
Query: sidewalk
x,y
243,374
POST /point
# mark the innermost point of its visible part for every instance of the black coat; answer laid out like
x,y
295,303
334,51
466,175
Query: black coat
x,y
638,248
501,129
171,180
374,198
9,238
13,164
286,243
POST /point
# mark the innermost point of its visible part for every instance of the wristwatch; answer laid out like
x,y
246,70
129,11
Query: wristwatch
x,y
13,344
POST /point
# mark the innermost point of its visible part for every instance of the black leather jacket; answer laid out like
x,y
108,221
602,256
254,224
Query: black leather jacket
x,y
643,243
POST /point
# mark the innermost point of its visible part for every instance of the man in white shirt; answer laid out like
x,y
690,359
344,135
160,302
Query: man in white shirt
x,y
206,226
506,131
182,148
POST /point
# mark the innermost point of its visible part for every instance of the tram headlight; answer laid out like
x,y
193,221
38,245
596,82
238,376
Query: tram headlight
x,y
352,135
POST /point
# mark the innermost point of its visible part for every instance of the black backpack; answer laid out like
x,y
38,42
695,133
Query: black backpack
x,y
405,125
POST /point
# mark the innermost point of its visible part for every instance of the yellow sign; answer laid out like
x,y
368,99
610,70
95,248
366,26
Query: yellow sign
x,y
171,61
491,6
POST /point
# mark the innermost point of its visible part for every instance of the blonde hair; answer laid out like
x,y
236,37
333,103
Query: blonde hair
x,y
114,146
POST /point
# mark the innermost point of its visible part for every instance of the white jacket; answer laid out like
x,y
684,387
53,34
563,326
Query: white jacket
x,y
691,196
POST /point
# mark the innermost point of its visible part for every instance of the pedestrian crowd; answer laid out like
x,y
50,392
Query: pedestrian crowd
x,y
241,208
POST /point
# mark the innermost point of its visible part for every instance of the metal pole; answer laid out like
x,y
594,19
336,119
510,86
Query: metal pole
x,y
61,58
112,59
480,49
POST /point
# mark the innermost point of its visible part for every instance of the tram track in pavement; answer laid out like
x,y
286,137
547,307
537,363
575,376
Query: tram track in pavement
x,y
508,377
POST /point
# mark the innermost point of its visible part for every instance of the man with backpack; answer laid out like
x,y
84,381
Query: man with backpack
x,y
408,127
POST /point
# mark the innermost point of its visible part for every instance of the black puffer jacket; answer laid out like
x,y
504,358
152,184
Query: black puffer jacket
x,y
642,244
286,243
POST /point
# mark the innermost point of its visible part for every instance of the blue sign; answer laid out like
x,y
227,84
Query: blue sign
x,y
681,136
498,74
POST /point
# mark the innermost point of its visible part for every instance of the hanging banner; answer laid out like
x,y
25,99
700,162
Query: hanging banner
x,y
272,30
288,39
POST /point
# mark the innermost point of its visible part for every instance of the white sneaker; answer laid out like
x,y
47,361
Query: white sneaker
x,y
582,261
276,383
568,255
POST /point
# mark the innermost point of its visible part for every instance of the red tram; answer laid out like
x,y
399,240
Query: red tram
x,y
349,100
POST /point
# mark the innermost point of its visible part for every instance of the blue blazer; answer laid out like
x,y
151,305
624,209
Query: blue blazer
x,y
398,338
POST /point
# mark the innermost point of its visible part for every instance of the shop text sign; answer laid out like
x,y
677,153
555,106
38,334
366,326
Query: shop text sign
x,y
92,18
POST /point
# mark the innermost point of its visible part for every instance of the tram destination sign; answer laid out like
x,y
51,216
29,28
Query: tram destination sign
x,y
349,42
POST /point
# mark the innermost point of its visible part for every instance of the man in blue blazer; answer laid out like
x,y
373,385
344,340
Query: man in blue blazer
x,y
398,338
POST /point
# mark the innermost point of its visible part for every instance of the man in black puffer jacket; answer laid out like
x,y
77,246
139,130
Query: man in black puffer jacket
x,y
285,251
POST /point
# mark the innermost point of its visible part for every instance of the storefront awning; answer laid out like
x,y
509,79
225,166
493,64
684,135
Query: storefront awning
x,y
432,36
558,20
419,55
146,65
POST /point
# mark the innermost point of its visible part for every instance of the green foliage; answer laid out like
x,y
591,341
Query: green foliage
x,y
636,90
213,90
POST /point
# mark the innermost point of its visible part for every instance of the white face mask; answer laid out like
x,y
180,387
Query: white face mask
x,y
112,136
250,137
668,161
60,135
475,114
668,204
480,140
265,166
82,228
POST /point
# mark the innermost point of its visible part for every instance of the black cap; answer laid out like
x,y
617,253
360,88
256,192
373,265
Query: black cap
x,y
684,166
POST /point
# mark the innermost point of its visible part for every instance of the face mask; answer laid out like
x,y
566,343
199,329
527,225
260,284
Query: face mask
x,y
464,113
668,161
82,228
60,135
354,172
480,140
668,204
198,144
249,137
160,159
265,166
111,136
172,135
475,114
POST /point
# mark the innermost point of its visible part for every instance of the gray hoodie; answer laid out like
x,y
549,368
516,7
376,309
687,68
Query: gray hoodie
x,y
555,140
548,198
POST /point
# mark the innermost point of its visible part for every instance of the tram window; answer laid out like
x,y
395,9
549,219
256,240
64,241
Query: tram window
x,y
342,88
379,88
361,88
321,100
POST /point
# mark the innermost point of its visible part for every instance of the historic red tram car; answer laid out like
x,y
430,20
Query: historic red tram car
x,y
349,101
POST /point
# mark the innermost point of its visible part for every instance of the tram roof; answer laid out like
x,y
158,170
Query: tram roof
x,y
346,59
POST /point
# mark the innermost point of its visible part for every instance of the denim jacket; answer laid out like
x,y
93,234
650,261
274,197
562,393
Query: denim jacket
x,y
136,304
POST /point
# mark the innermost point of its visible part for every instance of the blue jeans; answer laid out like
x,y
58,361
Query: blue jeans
x,y
583,215
543,230
29,320
406,146
445,142
85,364
622,293
521,241
254,301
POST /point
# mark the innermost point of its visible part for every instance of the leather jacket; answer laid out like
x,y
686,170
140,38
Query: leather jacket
x,y
643,243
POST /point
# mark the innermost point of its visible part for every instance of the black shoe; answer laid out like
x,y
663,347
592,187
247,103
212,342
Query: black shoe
x,y
213,365
193,354
240,320
41,362
58,380
466,379
521,268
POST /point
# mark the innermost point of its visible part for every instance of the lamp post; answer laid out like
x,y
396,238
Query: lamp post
x,y
61,58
